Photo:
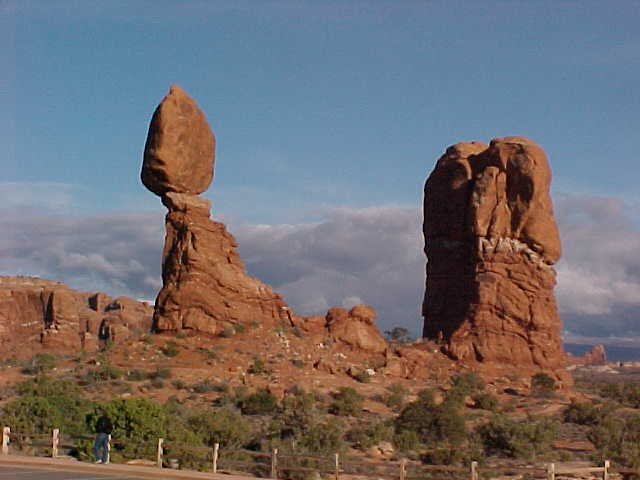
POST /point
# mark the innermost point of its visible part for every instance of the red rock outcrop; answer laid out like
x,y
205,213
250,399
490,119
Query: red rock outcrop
x,y
355,328
596,356
37,311
491,241
205,286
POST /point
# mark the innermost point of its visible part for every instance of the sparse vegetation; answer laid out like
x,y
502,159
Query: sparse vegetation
x,y
170,349
518,439
40,363
542,385
347,401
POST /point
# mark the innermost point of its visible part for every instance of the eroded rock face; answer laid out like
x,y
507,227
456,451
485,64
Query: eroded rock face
x,y
180,151
491,241
205,286
36,311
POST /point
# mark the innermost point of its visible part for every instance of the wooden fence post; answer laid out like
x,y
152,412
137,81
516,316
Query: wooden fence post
x,y
216,447
474,470
55,441
403,469
551,471
605,470
6,431
337,459
160,453
274,463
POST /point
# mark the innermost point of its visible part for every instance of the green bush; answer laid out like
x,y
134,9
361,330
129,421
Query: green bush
x,y
40,363
44,404
542,385
406,441
518,439
170,349
582,414
626,393
617,438
434,424
137,425
396,396
136,375
368,435
485,401
160,373
258,367
228,332
323,438
223,426
261,402
103,373
347,401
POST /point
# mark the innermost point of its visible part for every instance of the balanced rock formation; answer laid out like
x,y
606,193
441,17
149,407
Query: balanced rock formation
x,y
37,311
491,241
205,286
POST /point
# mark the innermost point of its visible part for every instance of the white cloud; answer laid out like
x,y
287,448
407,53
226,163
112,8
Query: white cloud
x,y
370,255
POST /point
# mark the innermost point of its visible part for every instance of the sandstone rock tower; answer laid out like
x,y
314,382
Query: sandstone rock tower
x,y
205,286
491,241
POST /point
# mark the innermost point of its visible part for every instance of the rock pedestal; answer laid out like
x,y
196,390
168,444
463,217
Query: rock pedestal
x,y
205,286
491,241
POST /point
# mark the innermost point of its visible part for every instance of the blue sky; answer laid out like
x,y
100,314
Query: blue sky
x,y
317,106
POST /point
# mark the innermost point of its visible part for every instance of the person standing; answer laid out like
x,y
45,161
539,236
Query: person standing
x,y
104,427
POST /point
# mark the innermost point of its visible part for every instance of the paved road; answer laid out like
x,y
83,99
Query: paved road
x,y
30,473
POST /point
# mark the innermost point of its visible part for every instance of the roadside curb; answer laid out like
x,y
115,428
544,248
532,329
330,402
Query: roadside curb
x,y
114,469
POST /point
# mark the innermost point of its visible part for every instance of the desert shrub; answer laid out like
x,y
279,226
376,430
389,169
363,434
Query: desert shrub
x,y
617,437
39,363
179,384
297,362
463,386
434,424
136,375
362,376
395,397
160,373
625,393
258,367
261,402
239,327
542,385
206,386
485,401
103,373
582,413
368,435
156,383
322,438
406,441
517,439
398,334
347,401
170,349
44,404
137,425
224,426
228,332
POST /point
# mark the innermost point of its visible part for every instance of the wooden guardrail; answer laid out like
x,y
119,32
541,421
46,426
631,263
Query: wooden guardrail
x,y
275,464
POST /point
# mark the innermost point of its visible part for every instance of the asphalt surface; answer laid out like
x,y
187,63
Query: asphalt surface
x,y
30,473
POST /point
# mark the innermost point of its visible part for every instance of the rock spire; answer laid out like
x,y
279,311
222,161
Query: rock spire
x,y
492,241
